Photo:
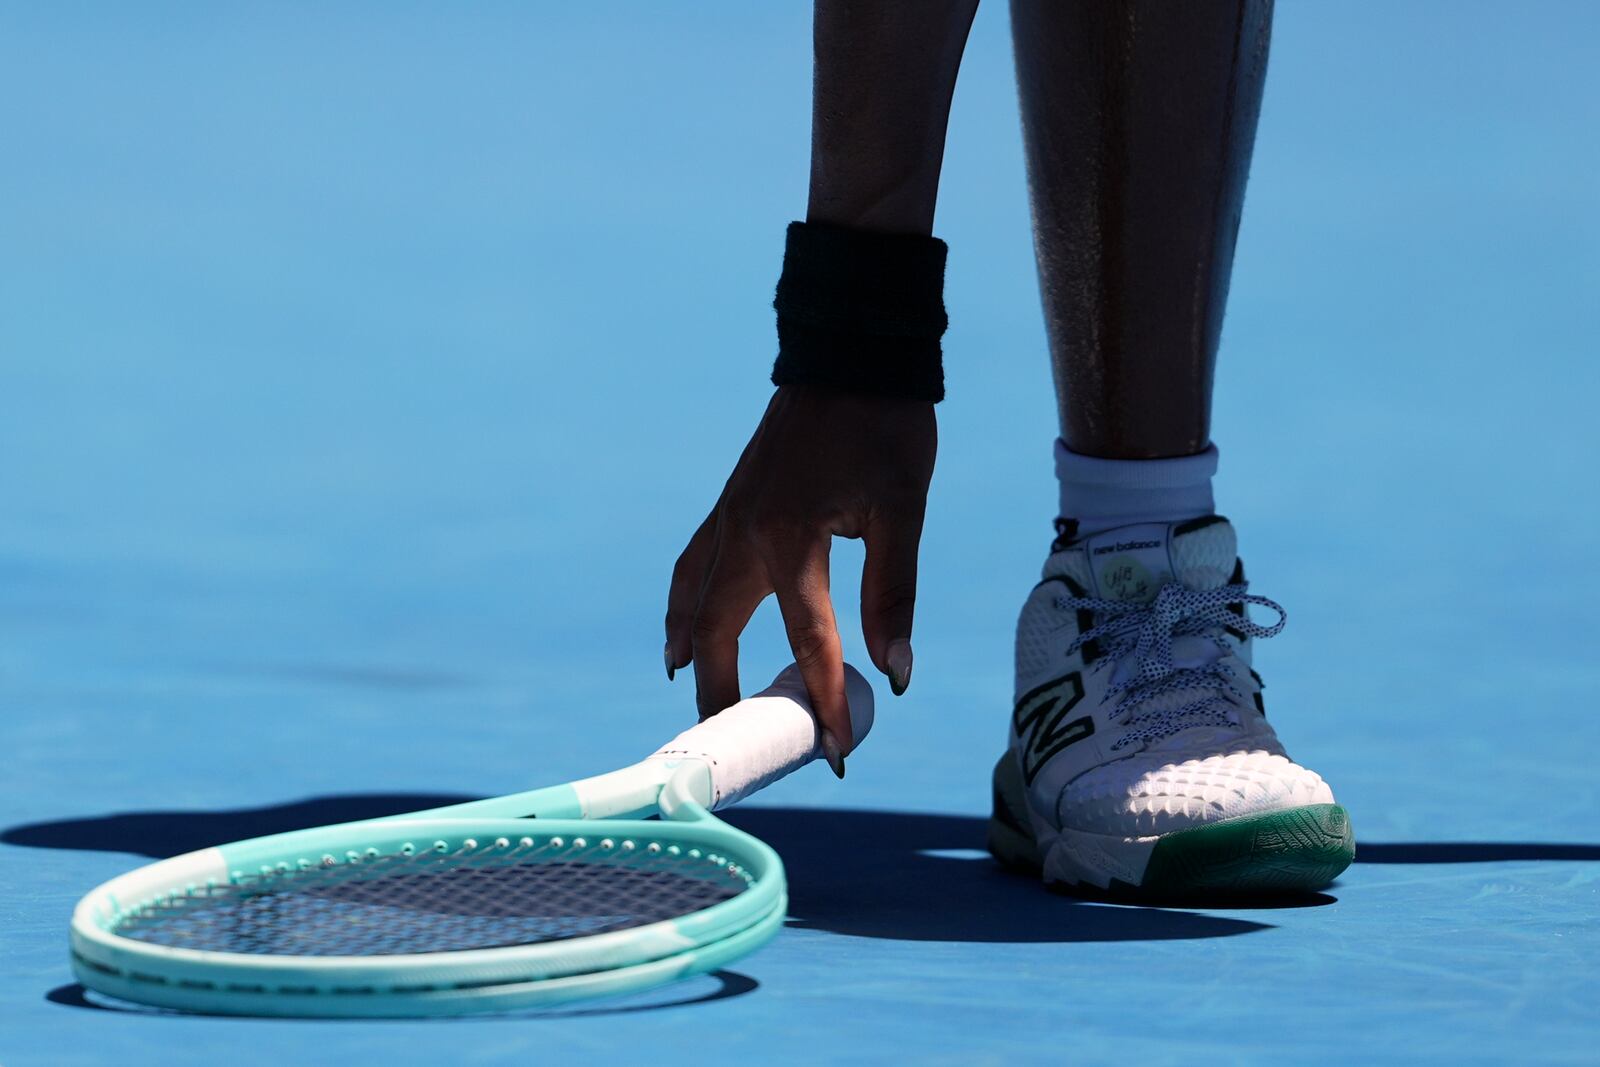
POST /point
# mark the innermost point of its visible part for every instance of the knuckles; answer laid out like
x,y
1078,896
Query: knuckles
x,y
895,596
780,530
811,643
707,627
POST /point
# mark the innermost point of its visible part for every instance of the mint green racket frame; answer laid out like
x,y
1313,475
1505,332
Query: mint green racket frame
x,y
746,747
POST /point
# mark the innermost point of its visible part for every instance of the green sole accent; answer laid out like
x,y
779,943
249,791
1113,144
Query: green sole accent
x,y
1295,851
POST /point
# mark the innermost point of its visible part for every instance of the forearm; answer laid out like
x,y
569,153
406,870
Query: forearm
x,y
885,72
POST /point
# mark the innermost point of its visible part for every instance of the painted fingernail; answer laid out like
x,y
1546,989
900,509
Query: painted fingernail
x,y
666,654
831,753
898,659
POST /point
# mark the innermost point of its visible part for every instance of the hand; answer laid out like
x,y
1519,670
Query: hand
x,y
822,463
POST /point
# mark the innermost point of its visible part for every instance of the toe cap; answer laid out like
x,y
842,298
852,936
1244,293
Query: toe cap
x,y
1146,796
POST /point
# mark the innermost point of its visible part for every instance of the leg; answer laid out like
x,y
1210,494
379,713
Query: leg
x,y
1141,761
1139,118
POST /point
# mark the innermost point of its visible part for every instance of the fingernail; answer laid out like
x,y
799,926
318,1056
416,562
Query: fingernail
x,y
831,753
666,654
898,659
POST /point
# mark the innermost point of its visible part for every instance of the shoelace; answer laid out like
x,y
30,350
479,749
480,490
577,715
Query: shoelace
x,y
1141,634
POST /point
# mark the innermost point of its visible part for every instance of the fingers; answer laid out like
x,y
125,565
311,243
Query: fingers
x,y
690,573
799,572
734,586
889,593
688,579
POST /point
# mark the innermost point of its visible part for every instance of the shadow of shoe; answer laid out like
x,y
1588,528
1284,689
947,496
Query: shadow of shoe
x,y
881,874
899,875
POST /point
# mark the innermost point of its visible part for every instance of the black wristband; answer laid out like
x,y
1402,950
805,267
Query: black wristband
x,y
861,311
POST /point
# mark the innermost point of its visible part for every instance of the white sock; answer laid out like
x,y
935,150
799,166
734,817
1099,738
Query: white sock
x,y
1102,494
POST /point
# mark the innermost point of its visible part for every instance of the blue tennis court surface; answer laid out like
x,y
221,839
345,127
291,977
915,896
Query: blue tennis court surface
x,y
362,372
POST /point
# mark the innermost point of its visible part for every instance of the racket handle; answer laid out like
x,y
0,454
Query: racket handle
x,y
765,737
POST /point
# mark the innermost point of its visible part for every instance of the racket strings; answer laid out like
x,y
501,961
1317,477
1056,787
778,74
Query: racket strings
x,y
472,896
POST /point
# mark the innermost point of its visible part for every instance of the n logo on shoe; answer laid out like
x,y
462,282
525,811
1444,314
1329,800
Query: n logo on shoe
x,y
1041,717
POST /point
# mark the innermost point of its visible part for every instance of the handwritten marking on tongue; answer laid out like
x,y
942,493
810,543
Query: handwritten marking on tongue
x,y
1125,578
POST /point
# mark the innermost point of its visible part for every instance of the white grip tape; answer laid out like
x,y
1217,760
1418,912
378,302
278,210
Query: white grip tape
x,y
765,737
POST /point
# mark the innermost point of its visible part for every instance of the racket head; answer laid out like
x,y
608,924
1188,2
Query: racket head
x,y
431,917
251,928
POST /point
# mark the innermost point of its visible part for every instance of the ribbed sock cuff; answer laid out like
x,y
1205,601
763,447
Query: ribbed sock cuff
x,y
1102,494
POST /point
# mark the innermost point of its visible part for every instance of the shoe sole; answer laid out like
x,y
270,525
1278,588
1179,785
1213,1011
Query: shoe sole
x,y
1292,851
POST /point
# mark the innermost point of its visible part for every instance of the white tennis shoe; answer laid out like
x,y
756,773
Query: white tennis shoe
x,y
1141,762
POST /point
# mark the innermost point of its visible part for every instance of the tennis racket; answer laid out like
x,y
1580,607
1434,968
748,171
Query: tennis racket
x,y
525,900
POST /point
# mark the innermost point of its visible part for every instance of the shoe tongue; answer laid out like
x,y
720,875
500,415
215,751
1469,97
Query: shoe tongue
x,y
1133,562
